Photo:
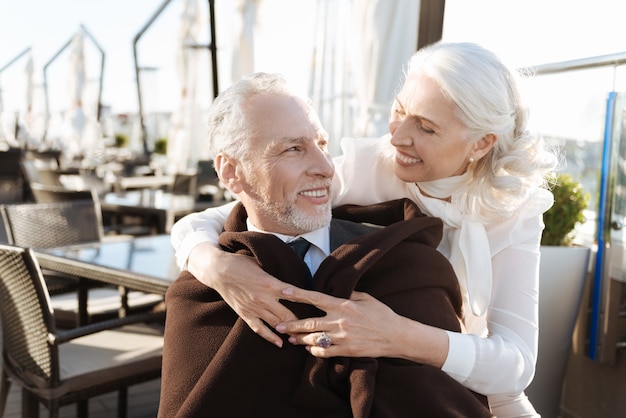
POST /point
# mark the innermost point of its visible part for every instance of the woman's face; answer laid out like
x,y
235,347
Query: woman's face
x,y
429,138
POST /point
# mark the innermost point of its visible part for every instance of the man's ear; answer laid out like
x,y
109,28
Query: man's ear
x,y
483,146
227,170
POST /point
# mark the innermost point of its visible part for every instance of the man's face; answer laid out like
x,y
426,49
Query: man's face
x,y
287,180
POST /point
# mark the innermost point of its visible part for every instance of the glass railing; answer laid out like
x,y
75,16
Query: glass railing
x,y
568,102
578,105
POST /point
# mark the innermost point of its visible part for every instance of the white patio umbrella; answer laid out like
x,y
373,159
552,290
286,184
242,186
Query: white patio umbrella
x,y
387,37
187,130
27,127
331,86
75,117
243,33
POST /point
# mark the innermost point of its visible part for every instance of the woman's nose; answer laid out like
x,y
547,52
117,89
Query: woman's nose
x,y
401,138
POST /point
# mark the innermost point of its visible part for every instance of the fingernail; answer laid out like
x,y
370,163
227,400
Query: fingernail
x,y
279,343
288,291
281,328
292,340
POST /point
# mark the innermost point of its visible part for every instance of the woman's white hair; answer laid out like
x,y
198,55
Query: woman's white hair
x,y
486,95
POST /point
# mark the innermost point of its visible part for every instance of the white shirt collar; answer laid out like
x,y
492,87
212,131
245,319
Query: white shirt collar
x,y
319,237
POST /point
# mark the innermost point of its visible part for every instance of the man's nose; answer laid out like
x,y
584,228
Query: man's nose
x,y
322,165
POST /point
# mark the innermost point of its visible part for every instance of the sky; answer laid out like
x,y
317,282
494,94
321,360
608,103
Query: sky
x,y
523,32
47,25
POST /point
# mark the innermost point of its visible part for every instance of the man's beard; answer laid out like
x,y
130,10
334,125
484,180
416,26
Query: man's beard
x,y
290,216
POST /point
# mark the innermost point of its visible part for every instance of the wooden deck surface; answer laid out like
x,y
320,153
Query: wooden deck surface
x,y
143,402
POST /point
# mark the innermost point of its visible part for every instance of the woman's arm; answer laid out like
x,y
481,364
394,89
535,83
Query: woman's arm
x,y
197,228
252,293
502,362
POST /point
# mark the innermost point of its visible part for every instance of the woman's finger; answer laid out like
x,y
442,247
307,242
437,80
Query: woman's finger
x,y
311,297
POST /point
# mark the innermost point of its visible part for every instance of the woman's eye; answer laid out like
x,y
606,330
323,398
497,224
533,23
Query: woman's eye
x,y
423,128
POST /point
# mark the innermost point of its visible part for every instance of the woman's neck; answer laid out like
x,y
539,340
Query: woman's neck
x,y
444,189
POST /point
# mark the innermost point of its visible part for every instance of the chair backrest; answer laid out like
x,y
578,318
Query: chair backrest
x,y
49,158
185,183
10,161
207,173
46,225
26,318
11,176
44,193
36,173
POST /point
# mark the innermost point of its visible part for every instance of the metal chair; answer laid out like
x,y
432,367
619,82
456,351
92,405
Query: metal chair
x,y
58,224
55,367
44,193
185,183
11,178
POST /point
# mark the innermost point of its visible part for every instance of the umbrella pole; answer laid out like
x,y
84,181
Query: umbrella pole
x,y
142,125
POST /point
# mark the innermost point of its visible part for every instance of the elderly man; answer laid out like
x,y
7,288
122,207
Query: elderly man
x,y
269,149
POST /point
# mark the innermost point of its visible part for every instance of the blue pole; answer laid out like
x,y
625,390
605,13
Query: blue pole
x,y
602,204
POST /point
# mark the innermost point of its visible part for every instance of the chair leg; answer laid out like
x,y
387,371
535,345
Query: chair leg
x,y
30,405
122,403
5,385
82,408
83,296
123,301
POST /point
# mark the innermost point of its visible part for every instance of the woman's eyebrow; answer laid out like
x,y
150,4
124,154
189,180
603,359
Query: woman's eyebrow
x,y
420,117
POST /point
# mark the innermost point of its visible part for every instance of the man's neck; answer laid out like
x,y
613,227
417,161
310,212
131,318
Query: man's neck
x,y
319,237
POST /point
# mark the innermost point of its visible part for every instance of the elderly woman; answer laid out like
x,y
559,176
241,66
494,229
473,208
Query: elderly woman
x,y
460,148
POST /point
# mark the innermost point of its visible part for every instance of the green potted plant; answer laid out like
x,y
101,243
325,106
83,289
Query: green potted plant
x,y
570,200
563,271
160,146
121,140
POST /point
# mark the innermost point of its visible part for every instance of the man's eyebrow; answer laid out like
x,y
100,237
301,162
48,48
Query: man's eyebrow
x,y
296,139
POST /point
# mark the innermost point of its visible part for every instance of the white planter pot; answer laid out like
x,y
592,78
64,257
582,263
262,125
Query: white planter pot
x,y
562,275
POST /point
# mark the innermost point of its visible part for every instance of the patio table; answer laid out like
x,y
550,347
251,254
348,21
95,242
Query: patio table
x,y
144,263
157,206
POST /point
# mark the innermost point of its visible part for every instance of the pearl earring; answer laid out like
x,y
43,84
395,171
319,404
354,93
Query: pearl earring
x,y
471,160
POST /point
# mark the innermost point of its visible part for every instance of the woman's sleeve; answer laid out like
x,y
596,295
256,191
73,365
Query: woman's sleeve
x,y
364,173
504,360
197,228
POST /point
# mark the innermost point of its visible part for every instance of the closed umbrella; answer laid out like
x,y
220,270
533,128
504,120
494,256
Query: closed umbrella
x,y
187,128
387,38
26,131
75,118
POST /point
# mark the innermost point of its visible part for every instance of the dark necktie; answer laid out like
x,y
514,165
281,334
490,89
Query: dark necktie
x,y
301,246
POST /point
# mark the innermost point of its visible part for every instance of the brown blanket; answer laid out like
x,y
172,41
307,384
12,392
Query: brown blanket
x,y
215,366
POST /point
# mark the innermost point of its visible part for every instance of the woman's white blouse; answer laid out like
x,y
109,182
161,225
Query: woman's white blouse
x,y
497,354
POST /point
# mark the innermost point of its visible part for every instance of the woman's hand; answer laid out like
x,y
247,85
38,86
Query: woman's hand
x,y
360,326
252,293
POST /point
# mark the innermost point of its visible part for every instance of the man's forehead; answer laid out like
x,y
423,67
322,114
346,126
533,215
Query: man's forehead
x,y
282,117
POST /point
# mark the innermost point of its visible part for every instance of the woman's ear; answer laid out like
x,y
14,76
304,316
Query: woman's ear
x,y
483,146
226,169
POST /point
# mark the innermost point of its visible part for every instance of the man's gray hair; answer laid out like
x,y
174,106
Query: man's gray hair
x,y
228,128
